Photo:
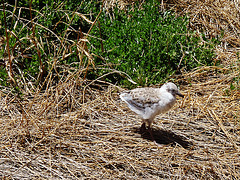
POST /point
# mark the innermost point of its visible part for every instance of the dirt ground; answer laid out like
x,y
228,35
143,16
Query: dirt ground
x,y
197,139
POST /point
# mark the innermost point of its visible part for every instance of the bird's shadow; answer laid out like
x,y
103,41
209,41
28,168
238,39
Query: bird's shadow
x,y
165,137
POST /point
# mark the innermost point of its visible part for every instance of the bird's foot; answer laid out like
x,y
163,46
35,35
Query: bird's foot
x,y
143,128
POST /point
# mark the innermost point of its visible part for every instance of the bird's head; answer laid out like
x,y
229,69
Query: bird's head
x,y
172,88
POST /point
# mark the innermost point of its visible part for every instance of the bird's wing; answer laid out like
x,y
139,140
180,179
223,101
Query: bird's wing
x,y
140,98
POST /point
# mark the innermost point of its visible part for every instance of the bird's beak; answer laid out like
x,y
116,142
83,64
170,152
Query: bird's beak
x,y
178,93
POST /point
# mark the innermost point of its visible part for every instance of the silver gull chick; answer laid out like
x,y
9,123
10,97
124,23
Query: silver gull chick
x,y
148,102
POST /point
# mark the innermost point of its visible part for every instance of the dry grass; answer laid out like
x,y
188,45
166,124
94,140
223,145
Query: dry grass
x,y
80,129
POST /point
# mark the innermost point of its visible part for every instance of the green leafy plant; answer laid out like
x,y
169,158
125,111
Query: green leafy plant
x,y
149,44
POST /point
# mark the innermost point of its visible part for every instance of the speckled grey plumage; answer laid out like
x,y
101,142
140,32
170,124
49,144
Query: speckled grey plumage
x,y
149,102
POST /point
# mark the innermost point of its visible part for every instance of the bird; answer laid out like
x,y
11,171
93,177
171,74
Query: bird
x,y
148,102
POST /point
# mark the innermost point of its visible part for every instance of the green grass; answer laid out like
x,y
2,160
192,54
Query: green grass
x,y
40,36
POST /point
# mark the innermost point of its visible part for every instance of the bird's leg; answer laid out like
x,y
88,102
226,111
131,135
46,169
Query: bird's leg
x,y
149,121
151,133
143,127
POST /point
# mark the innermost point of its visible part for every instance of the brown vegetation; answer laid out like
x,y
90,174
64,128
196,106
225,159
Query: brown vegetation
x,y
80,129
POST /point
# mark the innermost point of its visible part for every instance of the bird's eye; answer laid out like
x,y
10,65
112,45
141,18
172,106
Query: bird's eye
x,y
173,91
